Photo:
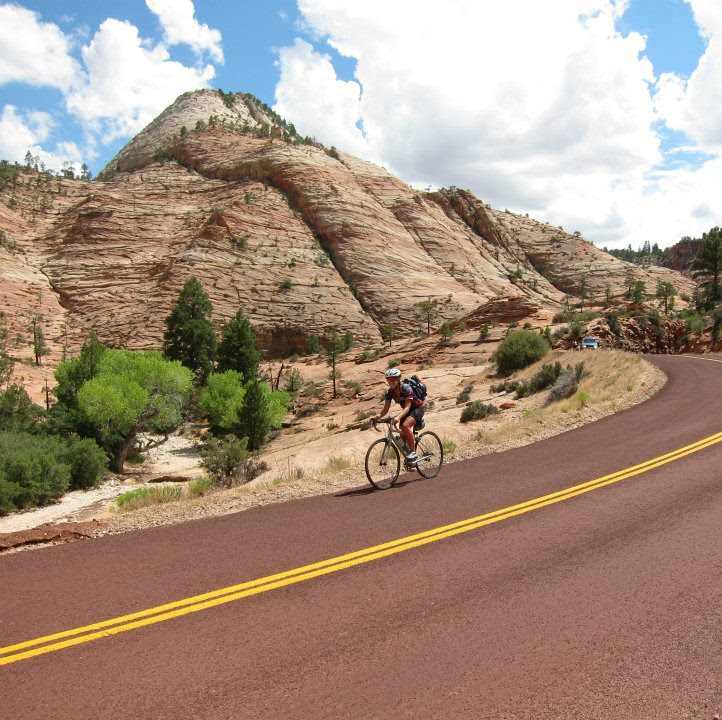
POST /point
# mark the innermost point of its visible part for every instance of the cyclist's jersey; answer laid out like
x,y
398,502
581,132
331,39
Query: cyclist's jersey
x,y
405,392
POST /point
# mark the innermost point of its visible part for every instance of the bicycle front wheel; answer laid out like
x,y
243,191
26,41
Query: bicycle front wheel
x,y
383,463
431,454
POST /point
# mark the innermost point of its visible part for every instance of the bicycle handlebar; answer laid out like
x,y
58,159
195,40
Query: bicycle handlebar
x,y
381,421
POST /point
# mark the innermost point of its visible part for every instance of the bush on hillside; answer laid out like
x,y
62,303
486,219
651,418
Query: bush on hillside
x,y
87,463
541,380
567,383
477,410
32,470
519,349
228,462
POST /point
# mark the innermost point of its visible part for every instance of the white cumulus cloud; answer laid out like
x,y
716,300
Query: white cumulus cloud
x,y
129,81
335,108
22,132
177,17
539,107
32,51
694,105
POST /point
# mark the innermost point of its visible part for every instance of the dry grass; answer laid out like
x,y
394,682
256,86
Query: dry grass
x,y
146,496
613,376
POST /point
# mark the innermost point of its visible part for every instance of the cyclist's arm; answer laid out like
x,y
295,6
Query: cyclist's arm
x,y
404,412
387,405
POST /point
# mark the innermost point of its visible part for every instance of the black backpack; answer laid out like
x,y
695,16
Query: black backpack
x,y
418,387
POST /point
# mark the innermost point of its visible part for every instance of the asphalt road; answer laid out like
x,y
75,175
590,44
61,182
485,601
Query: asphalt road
x,y
603,604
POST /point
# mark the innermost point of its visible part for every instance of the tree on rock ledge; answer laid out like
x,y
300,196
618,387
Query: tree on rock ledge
x,y
189,335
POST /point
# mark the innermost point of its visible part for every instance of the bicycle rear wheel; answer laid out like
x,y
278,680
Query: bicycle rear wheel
x,y
431,454
383,463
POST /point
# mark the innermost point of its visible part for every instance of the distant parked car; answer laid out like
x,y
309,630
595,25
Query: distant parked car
x,y
590,343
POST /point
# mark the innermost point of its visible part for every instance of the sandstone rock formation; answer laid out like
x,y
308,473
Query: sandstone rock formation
x,y
680,256
300,237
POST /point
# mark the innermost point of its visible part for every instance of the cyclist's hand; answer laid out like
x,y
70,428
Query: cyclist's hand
x,y
395,421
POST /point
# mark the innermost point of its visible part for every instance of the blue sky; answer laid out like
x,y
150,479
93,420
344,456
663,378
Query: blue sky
x,y
594,114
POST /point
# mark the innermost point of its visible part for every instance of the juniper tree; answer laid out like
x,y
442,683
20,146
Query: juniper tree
x,y
40,348
666,294
334,347
583,291
254,418
707,266
6,362
237,349
189,335
638,291
427,310
388,332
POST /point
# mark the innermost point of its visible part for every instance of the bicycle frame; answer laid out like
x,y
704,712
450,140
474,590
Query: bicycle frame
x,y
393,435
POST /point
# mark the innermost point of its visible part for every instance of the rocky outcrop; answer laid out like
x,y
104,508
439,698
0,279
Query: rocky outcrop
x,y
301,238
680,256
567,261
653,334
190,111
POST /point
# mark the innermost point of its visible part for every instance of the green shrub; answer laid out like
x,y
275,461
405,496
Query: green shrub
x,y
229,463
613,323
311,389
519,349
542,379
313,345
87,463
145,496
464,395
577,327
448,445
394,362
225,460
33,470
18,413
564,387
694,322
582,398
484,331
567,383
336,463
507,386
221,400
477,410
294,383
200,486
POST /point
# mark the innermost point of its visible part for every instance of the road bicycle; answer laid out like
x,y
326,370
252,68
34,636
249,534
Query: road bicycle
x,y
383,458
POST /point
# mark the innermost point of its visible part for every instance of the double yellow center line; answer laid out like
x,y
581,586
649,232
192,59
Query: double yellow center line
x,y
68,638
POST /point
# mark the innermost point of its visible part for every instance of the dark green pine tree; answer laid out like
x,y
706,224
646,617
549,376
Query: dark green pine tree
x,y
189,335
707,267
237,349
253,416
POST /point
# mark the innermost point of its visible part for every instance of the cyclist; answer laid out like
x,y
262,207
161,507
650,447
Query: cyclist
x,y
410,415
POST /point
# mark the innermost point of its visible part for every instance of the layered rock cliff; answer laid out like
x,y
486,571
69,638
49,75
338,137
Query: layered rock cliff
x,y
300,237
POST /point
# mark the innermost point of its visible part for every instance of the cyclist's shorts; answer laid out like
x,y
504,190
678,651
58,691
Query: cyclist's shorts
x,y
417,414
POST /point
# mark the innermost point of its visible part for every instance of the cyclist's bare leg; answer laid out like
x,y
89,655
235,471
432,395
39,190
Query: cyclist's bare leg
x,y
407,432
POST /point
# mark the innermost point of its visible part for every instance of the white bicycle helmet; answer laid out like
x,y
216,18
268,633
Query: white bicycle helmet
x,y
393,372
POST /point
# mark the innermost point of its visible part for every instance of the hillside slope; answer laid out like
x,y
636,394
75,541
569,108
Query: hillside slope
x,y
301,237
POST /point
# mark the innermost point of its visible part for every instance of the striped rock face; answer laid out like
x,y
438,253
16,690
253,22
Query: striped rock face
x,y
300,237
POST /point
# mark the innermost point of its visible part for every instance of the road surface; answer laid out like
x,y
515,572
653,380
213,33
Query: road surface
x,y
579,577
